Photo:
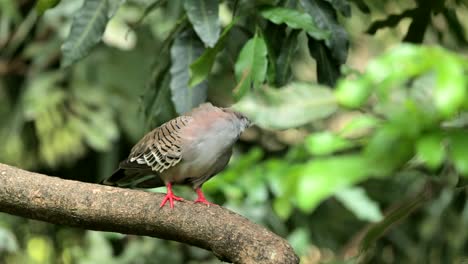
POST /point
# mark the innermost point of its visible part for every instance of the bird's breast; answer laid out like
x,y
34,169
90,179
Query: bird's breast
x,y
203,148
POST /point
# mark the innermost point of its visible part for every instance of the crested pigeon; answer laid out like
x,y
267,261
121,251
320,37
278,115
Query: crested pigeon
x,y
187,150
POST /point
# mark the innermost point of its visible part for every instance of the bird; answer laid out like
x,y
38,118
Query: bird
x,y
187,150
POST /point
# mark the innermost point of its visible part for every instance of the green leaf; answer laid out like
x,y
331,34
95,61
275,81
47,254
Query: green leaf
x,y
86,31
201,67
294,105
450,91
284,61
321,178
251,66
156,102
359,126
357,201
353,93
458,151
430,150
295,19
325,18
328,67
324,143
184,51
389,148
203,14
300,240
282,207
43,5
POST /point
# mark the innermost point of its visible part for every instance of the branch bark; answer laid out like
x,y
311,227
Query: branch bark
x,y
229,236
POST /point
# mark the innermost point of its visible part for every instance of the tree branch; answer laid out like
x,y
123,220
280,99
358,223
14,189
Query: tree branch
x,y
229,236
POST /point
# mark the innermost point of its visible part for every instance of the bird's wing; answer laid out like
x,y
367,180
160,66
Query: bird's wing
x,y
160,149
157,151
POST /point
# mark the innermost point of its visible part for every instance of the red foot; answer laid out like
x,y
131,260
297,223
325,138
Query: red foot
x,y
170,196
201,198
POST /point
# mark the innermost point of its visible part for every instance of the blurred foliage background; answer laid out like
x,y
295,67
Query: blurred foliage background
x,y
360,149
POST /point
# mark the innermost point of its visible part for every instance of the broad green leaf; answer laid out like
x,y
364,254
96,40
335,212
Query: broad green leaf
x,y
389,148
325,18
430,150
251,66
295,19
203,14
357,201
184,51
86,31
156,103
328,67
201,67
321,178
353,93
285,58
341,6
458,151
294,105
324,143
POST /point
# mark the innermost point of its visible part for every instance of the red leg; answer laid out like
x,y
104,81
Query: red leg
x,y
201,198
170,196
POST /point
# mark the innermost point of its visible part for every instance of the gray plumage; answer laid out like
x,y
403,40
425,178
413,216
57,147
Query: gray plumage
x,y
189,149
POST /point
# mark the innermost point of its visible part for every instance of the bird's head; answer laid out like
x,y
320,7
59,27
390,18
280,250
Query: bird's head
x,y
242,120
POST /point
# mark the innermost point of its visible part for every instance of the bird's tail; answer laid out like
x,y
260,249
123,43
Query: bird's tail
x,y
117,176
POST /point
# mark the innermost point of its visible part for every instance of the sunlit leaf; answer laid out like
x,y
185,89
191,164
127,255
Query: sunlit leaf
x,y
430,150
389,148
295,19
184,51
282,207
324,143
294,105
321,178
450,91
359,126
356,200
86,31
43,5
39,249
251,66
203,14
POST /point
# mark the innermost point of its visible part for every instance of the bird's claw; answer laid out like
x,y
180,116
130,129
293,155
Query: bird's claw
x,y
204,201
171,197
